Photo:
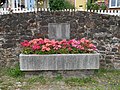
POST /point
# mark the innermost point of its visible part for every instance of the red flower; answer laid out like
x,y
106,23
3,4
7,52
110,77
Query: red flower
x,y
70,49
25,43
82,40
40,41
47,45
35,47
44,48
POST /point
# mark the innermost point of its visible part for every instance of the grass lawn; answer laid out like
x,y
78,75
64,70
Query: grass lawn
x,y
13,79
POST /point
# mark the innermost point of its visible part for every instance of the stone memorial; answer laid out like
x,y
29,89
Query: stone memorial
x,y
59,31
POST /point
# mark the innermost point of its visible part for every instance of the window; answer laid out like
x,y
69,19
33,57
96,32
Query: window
x,y
118,3
114,3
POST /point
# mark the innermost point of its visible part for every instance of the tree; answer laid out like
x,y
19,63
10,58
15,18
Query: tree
x,y
60,5
56,4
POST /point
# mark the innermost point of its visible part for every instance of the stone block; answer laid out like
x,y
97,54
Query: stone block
x,y
58,62
116,65
59,31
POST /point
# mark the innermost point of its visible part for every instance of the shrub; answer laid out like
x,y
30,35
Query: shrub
x,y
60,5
56,4
68,5
103,7
46,46
95,6
89,5
15,71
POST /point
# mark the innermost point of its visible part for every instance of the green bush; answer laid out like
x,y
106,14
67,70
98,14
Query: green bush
x,y
89,5
95,6
68,5
60,5
103,7
15,72
56,4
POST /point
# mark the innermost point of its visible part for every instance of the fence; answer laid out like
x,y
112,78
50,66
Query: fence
x,y
19,10
109,12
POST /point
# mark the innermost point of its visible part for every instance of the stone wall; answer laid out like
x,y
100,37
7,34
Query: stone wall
x,y
104,30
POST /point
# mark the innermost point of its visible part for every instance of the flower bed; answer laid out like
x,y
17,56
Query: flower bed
x,y
45,54
46,46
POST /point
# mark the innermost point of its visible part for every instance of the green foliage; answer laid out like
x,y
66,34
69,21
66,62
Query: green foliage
x,y
103,79
103,7
95,6
79,81
27,51
59,77
1,81
68,5
15,72
60,5
101,71
39,79
60,51
91,5
56,4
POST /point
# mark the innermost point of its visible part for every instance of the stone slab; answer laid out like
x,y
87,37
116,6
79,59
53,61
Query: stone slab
x,y
58,62
59,31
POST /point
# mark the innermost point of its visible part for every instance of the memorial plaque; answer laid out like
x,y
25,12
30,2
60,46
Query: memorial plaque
x,y
59,31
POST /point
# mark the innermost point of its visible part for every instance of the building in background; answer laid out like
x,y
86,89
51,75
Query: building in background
x,y
114,4
110,4
28,4
78,4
